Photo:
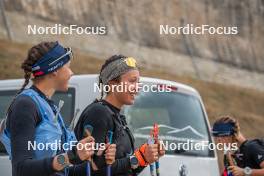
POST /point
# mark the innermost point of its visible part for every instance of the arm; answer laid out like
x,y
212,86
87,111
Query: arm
x,y
258,172
257,155
23,120
121,165
237,171
101,121
97,117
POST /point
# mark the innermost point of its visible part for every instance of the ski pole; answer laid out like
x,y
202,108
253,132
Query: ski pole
x,y
156,138
228,161
151,165
88,129
231,160
110,140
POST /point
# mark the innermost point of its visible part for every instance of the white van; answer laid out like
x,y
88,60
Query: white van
x,y
180,114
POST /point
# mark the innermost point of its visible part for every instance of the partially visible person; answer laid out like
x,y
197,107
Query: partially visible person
x,y
104,115
249,158
33,118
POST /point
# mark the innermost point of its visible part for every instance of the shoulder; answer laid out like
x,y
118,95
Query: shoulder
x,y
96,112
24,102
254,144
255,149
97,108
24,107
96,115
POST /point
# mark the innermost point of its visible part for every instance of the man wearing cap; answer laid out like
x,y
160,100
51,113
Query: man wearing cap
x,y
249,157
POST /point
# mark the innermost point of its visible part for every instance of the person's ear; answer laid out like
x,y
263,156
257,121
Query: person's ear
x,y
52,75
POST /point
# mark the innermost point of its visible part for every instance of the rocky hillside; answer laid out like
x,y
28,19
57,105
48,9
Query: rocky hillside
x,y
133,28
139,22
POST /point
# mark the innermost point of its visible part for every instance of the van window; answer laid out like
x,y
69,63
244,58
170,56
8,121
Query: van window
x,y
5,100
180,118
67,110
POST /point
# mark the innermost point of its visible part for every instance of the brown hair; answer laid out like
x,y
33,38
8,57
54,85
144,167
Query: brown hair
x,y
34,54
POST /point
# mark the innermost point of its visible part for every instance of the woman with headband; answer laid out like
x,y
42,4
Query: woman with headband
x,y
104,115
33,118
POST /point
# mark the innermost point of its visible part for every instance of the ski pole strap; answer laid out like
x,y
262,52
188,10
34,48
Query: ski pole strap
x,y
139,154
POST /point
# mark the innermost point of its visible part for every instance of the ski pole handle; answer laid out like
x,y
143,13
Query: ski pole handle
x,y
156,139
87,131
151,165
110,137
157,168
110,140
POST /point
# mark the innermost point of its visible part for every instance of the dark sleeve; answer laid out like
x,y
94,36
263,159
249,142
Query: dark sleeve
x,y
139,169
79,170
101,120
121,165
23,119
257,152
